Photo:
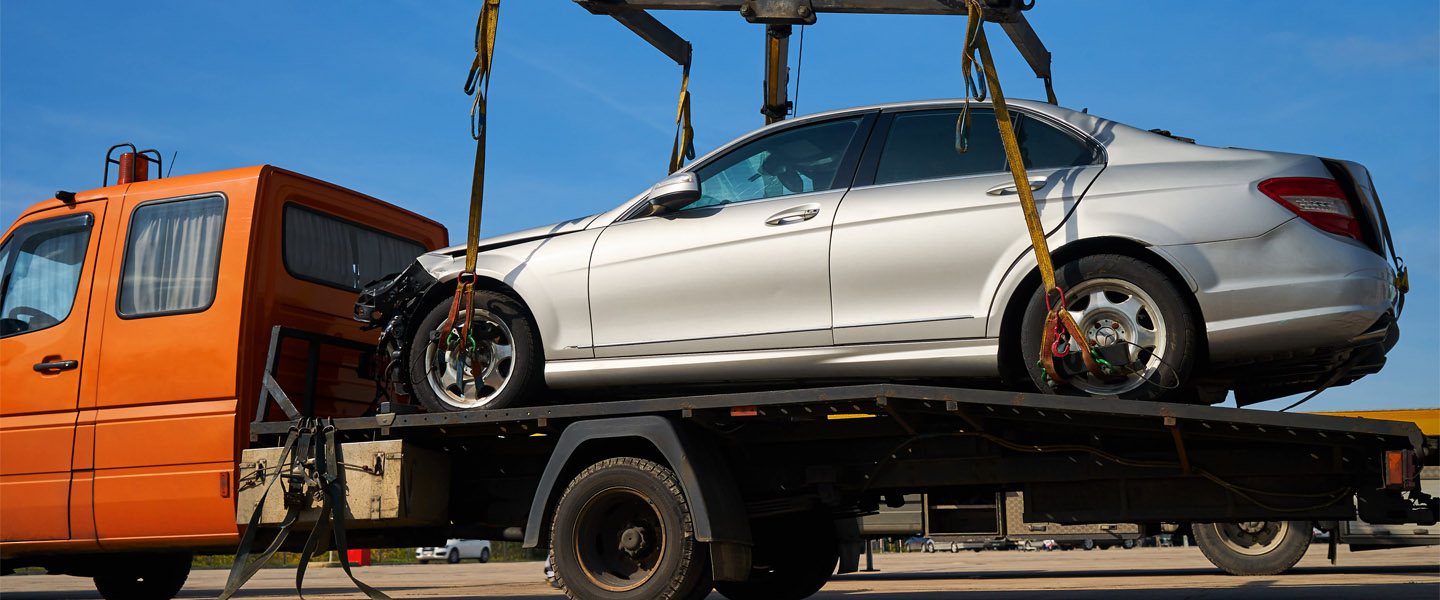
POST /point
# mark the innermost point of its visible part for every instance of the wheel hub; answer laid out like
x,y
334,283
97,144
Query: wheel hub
x,y
634,542
468,371
1115,311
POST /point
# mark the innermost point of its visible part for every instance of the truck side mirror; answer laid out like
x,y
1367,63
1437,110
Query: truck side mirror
x,y
674,192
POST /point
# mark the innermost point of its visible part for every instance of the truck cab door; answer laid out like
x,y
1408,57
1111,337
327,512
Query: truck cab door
x,y
47,261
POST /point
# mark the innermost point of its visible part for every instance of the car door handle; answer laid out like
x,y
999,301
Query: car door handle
x,y
59,365
1009,188
792,216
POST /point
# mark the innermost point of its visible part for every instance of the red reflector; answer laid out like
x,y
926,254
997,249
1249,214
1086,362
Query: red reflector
x,y
224,485
1319,201
744,411
1400,470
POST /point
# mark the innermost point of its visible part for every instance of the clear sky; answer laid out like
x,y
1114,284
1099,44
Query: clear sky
x,y
367,94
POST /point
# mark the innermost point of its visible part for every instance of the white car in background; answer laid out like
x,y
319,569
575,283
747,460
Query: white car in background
x,y
455,551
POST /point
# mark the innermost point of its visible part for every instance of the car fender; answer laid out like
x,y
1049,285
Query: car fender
x,y
550,277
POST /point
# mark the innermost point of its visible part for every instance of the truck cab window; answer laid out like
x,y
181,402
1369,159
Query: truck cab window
x,y
331,251
172,257
40,271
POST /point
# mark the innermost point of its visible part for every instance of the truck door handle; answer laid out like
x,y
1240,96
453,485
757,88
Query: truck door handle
x,y
1035,185
59,365
795,215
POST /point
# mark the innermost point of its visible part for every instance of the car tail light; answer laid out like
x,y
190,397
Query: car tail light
x,y
1319,201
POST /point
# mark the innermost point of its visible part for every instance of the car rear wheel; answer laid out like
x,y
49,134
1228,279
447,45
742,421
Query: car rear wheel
x,y
1253,547
622,530
497,366
1122,300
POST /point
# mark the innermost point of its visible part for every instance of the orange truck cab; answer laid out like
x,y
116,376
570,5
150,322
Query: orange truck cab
x,y
134,325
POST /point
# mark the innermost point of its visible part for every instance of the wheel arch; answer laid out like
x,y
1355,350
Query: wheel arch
x,y
1012,370
715,504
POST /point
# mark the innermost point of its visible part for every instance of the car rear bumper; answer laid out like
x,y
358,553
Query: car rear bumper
x,y
1292,289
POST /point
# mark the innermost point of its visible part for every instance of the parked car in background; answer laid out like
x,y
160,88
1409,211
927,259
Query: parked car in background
x,y
861,244
455,551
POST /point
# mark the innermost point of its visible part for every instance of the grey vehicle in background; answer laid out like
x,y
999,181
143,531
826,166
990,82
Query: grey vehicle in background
x,y
861,244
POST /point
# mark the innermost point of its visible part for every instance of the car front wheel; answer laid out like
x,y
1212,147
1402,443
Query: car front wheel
x,y
496,366
1118,300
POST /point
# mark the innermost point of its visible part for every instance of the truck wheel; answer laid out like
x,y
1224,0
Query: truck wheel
x,y
497,367
1119,300
1253,547
484,555
782,571
623,530
144,577
453,557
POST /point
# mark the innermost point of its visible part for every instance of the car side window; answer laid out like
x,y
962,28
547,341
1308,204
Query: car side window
x,y
39,272
793,161
172,257
924,145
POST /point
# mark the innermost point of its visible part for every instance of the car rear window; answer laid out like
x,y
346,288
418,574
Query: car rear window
x,y
329,250
923,145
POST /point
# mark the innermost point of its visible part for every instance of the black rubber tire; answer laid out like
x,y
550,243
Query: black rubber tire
x,y
683,567
144,577
527,363
453,557
484,555
424,562
1274,558
1128,544
781,570
1172,378
929,547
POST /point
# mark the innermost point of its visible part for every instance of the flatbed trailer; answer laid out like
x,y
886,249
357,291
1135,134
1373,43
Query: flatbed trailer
x,y
735,475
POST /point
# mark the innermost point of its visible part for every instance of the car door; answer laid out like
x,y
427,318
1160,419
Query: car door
x,y
925,236
746,266
46,264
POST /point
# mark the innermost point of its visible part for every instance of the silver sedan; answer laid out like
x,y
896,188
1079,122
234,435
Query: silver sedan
x,y
863,244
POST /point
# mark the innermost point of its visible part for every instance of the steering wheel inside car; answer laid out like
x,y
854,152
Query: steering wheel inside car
x,y
39,319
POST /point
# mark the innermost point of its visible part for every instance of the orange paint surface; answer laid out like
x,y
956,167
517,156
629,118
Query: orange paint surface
x,y
132,449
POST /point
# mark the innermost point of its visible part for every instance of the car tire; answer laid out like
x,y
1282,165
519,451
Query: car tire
x,y
1253,548
144,576
1088,544
484,555
929,547
1122,298
1128,544
639,502
453,557
506,330
423,562
780,569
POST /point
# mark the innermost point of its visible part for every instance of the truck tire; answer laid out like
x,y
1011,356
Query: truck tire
x,y
144,577
639,504
782,571
505,348
1254,547
1121,300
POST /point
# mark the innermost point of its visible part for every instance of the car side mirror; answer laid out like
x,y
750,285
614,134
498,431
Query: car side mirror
x,y
675,191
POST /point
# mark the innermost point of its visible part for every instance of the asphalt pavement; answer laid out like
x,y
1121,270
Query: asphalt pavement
x,y
1114,574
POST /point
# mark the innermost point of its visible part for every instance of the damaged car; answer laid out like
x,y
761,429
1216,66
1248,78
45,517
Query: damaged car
x,y
860,245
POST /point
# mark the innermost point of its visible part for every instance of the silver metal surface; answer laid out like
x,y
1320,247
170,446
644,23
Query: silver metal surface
x,y
471,374
915,278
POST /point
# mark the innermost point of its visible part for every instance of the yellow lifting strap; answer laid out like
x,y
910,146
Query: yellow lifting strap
x,y
684,146
1058,316
478,84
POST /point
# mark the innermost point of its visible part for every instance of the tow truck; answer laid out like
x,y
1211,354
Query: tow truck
x,y
674,495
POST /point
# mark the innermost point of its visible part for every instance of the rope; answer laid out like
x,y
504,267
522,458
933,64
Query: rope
x,y
976,61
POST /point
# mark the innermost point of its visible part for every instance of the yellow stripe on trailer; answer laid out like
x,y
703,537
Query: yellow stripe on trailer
x,y
1428,419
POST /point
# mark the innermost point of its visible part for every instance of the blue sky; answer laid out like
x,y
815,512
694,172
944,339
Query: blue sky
x,y
367,94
